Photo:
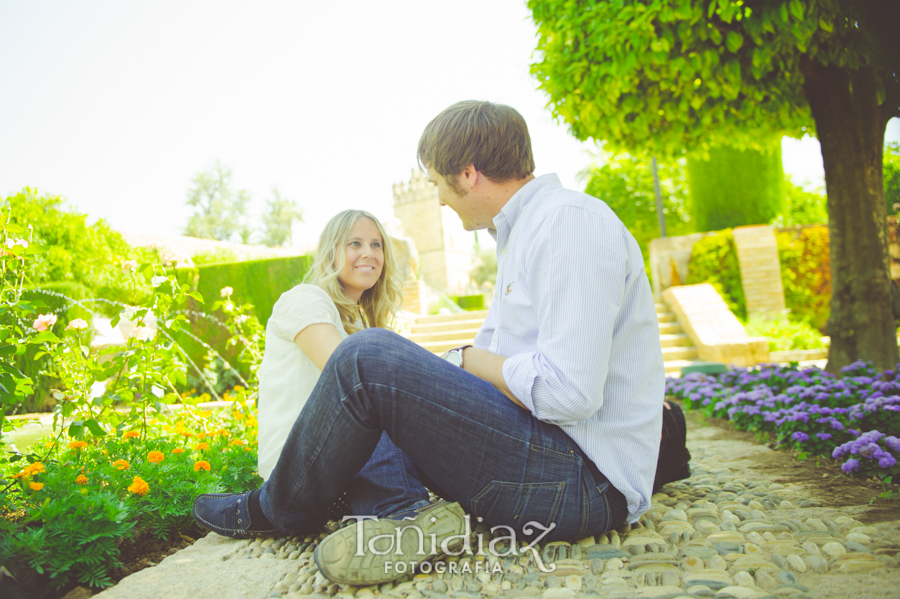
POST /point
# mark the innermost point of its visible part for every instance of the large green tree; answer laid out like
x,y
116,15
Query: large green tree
x,y
667,76
219,210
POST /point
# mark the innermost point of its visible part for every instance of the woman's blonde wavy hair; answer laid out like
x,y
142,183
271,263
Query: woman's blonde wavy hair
x,y
378,305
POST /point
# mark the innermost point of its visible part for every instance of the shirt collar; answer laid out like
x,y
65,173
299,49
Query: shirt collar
x,y
509,214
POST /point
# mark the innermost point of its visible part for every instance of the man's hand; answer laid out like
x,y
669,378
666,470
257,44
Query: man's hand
x,y
488,366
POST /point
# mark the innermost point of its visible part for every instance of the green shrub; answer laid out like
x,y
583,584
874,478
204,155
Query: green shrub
x,y
216,256
469,302
91,256
891,172
784,334
806,274
714,260
801,207
258,282
736,187
625,183
56,298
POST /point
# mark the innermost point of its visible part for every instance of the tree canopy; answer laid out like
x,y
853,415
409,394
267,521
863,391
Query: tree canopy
x,y
219,209
663,76
278,219
674,76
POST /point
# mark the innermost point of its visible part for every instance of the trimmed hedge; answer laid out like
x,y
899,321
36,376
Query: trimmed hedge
x,y
736,187
469,302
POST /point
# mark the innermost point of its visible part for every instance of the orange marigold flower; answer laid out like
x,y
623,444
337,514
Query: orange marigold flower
x,y
201,436
81,480
155,457
121,465
248,449
36,486
138,486
201,446
21,474
35,468
201,465
131,434
50,445
252,421
177,450
187,434
77,444
237,442
238,415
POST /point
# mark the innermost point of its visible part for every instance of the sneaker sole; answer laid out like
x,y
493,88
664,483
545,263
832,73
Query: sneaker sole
x,y
339,560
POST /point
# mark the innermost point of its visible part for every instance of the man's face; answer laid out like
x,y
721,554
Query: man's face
x,y
454,195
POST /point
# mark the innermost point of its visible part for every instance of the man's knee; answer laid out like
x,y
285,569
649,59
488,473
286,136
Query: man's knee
x,y
374,341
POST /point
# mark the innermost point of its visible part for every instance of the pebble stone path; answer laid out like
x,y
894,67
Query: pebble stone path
x,y
725,532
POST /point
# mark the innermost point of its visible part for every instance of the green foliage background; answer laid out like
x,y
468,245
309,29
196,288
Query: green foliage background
x,y
806,274
89,256
714,260
256,282
735,187
625,183
891,172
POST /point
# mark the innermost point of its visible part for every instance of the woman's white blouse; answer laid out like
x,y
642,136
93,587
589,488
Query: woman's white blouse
x,y
287,376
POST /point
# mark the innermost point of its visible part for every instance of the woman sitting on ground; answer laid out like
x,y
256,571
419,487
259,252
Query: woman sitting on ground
x,y
353,284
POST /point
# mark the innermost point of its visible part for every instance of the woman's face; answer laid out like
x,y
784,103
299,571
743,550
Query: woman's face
x,y
364,255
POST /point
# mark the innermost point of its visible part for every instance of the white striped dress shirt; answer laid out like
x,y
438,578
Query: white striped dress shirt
x,y
574,314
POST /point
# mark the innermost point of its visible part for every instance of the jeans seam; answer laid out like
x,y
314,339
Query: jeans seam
x,y
603,494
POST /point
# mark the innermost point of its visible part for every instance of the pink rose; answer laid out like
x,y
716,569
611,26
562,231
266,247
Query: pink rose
x,y
44,322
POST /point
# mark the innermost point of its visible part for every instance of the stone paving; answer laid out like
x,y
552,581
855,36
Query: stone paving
x,y
725,532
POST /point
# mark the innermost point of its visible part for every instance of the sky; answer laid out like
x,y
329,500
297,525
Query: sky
x,y
115,106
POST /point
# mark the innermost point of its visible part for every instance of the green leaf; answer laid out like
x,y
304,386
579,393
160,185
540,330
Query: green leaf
x,y
784,12
35,249
826,26
44,336
95,428
797,9
734,41
196,296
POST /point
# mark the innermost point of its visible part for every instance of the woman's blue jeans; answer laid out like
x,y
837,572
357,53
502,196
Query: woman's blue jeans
x,y
464,437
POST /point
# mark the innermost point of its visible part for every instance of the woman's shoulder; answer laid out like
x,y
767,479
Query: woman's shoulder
x,y
307,292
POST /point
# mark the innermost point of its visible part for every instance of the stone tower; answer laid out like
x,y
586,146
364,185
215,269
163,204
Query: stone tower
x,y
445,249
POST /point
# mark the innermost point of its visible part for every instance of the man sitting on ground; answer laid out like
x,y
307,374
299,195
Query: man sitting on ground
x,y
549,425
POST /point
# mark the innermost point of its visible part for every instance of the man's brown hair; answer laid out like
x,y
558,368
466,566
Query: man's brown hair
x,y
493,137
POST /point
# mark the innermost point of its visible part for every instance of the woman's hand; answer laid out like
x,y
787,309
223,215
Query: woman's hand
x,y
318,342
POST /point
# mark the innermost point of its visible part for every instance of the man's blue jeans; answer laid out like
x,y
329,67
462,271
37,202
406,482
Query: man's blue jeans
x,y
463,435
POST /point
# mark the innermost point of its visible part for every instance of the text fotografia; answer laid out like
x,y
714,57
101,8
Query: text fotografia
x,y
427,547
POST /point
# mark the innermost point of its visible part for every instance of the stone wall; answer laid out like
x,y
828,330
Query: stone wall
x,y
757,252
894,246
669,260
445,248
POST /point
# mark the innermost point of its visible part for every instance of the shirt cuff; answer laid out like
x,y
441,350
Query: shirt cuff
x,y
519,374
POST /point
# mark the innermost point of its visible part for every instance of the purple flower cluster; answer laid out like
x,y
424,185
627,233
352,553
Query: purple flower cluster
x,y
807,408
867,446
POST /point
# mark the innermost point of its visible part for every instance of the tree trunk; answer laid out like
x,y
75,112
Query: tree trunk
x,y
850,126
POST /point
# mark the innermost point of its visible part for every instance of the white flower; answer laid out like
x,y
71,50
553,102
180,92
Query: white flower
x,y
57,394
44,322
226,291
76,325
143,333
157,281
129,265
10,243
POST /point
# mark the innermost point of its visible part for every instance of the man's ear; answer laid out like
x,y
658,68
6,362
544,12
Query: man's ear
x,y
469,176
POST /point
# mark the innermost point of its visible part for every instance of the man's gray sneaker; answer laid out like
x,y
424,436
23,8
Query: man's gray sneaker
x,y
368,551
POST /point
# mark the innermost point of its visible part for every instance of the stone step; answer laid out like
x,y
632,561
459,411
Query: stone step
x,y
443,335
673,367
665,316
442,318
670,328
661,308
676,340
440,327
679,353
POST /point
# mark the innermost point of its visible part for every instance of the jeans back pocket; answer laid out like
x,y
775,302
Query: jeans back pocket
x,y
517,504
